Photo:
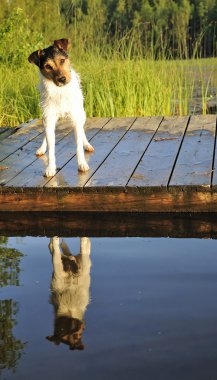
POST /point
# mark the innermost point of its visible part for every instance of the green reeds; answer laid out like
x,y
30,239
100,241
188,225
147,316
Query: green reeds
x,y
116,86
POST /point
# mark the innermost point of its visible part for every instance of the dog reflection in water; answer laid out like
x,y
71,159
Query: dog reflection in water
x,y
69,292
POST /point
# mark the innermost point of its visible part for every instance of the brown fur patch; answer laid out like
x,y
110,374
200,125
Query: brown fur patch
x,y
71,264
53,62
56,68
68,331
62,44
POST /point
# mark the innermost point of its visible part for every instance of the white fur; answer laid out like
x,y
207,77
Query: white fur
x,y
70,296
58,102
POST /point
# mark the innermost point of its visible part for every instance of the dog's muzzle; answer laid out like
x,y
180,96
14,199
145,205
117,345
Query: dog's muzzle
x,y
61,80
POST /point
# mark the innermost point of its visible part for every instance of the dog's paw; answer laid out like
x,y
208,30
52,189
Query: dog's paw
x,y
83,166
50,171
85,245
40,152
89,148
54,244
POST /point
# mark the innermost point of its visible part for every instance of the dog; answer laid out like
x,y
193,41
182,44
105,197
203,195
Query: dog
x,y
61,96
69,292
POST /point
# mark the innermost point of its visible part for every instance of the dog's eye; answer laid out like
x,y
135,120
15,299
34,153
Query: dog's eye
x,y
62,61
48,67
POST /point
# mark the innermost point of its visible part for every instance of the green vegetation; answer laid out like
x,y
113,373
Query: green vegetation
x,y
10,348
143,57
9,264
116,87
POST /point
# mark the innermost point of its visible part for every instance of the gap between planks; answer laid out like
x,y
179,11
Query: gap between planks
x,y
32,174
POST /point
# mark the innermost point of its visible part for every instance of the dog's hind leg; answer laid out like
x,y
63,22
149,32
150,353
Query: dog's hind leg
x,y
50,124
65,248
87,146
79,136
40,151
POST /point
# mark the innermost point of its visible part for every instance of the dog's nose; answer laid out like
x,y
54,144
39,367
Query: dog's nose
x,y
62,80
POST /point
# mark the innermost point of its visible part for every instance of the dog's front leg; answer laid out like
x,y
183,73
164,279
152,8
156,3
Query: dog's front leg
x,y
54,248
79,136
85,253
49,124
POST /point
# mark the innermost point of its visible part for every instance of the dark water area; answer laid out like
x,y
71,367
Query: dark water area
x,y
199,91
142,308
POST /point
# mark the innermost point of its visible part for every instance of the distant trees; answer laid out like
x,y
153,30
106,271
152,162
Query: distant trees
x,y
177,28
10,348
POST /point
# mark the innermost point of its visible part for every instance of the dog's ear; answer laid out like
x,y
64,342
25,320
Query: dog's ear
x,y
35,57
79,346
62,44
53,338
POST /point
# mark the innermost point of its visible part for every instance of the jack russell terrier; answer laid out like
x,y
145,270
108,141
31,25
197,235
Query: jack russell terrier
x,y
61,96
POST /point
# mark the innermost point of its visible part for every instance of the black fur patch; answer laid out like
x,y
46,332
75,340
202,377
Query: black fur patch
x,y
50,53
66,325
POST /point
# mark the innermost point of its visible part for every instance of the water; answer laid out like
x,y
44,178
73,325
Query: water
x,y
199,92
152,309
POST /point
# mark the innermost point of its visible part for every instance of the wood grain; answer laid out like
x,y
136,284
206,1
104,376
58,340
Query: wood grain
x,y
14,142
157,163
117,168
33,174
194,163
108,200
143,165
6,132
104,142
24,157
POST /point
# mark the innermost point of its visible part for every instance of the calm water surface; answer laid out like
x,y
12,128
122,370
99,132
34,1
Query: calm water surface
x,y
141,308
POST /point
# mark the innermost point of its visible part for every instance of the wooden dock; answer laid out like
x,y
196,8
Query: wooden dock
x,y
150,165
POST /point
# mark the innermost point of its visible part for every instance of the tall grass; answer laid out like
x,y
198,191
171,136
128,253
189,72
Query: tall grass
x,y
117,78
116,87
19,99
119,86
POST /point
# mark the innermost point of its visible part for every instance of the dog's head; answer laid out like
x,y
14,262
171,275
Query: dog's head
x,y
69,331
53,62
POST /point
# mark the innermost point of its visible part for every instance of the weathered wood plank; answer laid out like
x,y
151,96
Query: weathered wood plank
x,y
156,165
30,191
194,163
149,200
33,174
3,129
108,224
14,142
117,168
6,132
104,142
23,157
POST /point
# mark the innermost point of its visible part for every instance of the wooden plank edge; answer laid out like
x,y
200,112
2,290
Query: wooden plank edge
x,y
157,200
